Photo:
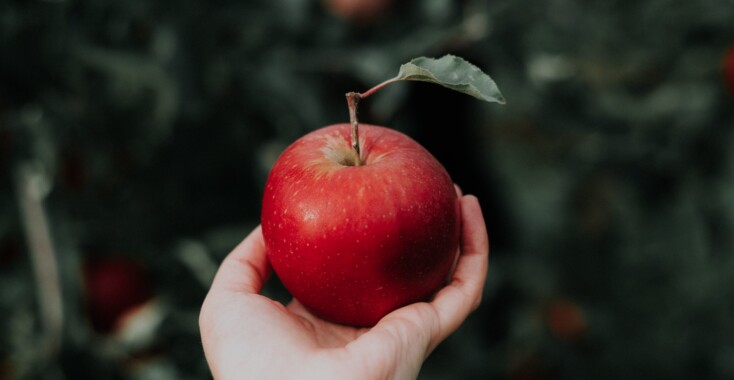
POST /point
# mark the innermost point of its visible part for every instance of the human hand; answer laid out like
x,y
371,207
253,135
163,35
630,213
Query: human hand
x,y
247,335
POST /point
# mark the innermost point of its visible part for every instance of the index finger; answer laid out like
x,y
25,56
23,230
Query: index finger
x,y
246,268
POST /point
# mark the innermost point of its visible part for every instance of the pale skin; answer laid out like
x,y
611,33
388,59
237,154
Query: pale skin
x,y
249,336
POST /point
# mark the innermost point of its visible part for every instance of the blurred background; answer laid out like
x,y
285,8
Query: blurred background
x,y
136,137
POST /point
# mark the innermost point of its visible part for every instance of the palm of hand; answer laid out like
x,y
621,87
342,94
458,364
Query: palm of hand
x,y
293,332
247,335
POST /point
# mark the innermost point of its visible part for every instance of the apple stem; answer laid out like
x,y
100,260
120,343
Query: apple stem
x,y
353,101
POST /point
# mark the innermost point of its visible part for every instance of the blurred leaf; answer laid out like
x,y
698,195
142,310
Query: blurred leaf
x,y
454,73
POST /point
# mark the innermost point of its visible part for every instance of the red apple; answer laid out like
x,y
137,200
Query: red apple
x,y
728,68
566,320
355,242
114,287
359,11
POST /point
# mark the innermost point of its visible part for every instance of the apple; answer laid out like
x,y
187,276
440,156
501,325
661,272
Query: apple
x,y
115,287
354,234
359,11
566,320
358,225
728,69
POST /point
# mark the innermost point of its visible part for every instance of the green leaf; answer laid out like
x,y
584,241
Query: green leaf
x,y
454,73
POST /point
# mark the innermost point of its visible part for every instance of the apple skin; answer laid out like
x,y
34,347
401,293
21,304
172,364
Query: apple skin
x,y
353,243
566,320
